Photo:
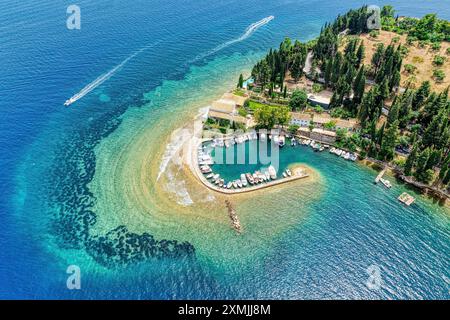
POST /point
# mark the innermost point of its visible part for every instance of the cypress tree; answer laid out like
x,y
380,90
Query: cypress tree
x,y
241,81
360,54
421,95
411,160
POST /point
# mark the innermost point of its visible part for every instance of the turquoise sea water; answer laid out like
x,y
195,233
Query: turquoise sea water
x,y
60,167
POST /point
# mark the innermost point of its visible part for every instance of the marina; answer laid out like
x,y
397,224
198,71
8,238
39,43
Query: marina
x,y
257,177
251,180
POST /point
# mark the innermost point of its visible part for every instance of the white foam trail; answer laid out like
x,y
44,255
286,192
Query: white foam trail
x,y
248,32
94,84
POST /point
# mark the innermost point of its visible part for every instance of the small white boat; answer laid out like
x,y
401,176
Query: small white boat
x,y
229,185
243,180
284,174
293,142
281,141
272,172
209,176
69,102
267,174
235,184
239,183
386,183
289,173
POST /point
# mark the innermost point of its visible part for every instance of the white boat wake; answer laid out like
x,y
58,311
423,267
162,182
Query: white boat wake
x,y
94,84
248,32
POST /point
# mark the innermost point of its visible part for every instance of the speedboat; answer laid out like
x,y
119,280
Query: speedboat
x,y
69,102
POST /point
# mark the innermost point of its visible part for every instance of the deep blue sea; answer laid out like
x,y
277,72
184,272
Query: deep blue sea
x,y
148,56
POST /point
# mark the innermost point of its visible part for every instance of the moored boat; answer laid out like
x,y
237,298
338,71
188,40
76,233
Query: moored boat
x,y
272,172
243,180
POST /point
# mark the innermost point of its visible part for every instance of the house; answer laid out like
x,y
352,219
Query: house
x,y
350,125
226,109
317,134
300,119
319,121
321,99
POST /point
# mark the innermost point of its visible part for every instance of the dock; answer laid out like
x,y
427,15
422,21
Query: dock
x,y
406,198
380,175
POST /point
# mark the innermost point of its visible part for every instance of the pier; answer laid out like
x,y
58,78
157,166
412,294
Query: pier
x,y
380,175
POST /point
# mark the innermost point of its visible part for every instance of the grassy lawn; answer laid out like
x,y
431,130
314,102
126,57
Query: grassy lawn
x,y
253,105
239,92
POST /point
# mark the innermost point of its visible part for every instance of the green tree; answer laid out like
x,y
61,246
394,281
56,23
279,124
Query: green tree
x,y
387,11
389,142
393,113
411,160
240,82
422,173
360,54
298,100
328,71
359,86
421,95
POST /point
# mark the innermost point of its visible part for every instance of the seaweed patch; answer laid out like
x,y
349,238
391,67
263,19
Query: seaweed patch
x,y
72,200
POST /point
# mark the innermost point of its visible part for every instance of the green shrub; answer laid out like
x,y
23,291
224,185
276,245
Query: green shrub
x,y
410,68
438,60
374,33
438,75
